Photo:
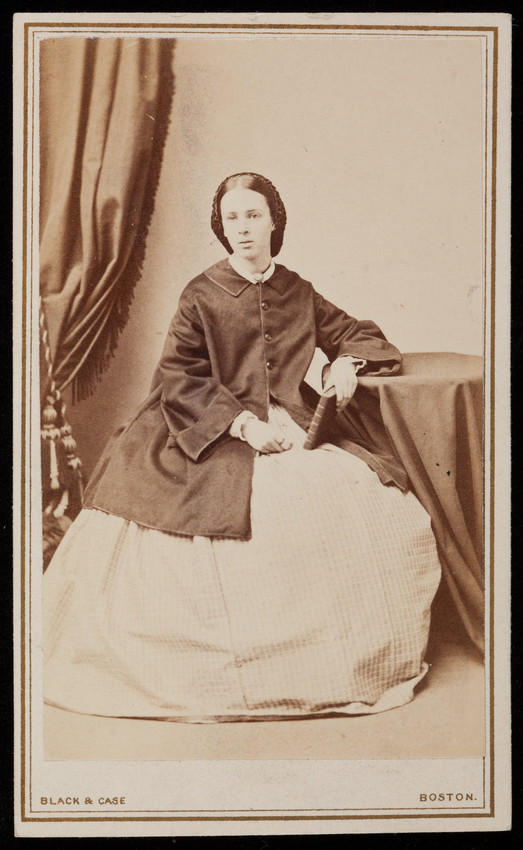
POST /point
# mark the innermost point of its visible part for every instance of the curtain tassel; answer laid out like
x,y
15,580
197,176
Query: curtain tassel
x,y
53,467
50,434
61,467
76,490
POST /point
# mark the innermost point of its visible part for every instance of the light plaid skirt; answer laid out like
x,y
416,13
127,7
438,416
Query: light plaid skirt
x,y
326,609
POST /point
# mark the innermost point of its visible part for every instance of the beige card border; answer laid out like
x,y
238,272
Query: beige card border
x,y
39,25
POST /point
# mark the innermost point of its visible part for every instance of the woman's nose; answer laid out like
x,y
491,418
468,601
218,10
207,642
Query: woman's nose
x,y
243,226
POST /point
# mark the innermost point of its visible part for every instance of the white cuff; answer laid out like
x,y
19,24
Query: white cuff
x,y
359,362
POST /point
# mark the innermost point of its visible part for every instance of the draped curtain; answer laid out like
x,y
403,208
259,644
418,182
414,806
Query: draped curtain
x,y
104,113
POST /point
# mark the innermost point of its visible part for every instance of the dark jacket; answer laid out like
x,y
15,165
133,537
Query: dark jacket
x,y
232,345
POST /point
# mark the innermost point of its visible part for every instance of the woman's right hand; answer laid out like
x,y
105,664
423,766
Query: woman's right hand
x,y
265,437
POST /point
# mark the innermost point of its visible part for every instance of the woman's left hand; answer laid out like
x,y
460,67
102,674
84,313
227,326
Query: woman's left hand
x,y
344,379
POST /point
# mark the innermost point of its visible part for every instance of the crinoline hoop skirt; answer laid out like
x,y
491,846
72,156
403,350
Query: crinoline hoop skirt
x,y
325,609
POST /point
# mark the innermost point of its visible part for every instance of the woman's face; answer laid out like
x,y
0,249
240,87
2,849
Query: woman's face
x,y
247,224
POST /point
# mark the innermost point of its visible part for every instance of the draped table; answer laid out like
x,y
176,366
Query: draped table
x,y
432,413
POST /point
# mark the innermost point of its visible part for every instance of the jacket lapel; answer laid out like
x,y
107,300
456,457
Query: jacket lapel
x,y
280,279
224,276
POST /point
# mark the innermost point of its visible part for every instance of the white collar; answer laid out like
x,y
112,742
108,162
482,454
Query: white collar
x,y
234,262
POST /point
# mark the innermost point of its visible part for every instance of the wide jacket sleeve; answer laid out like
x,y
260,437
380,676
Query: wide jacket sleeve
x,y
338,334
198,409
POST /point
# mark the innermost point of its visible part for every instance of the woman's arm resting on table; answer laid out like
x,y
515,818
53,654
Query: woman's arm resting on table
x,y
339,334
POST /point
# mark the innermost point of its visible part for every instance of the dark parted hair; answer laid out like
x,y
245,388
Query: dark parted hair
x,y
257,183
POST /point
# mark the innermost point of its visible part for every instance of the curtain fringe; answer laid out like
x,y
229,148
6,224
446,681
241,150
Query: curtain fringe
x,y
96,364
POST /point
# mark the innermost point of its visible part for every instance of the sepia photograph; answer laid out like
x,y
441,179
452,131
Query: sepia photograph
x,y
262,336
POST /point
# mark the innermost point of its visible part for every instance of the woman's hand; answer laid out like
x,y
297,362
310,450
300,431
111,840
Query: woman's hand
x,y
265,437
344,379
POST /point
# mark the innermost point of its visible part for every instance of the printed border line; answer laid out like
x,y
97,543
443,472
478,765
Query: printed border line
x,y
27,364
248,818
492,404
321,27
31,809
30,429
23,494
487,725
28,350
494,30
30,755
181,32
412,809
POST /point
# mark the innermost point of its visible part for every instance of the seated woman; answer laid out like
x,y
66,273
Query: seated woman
x,y
218,570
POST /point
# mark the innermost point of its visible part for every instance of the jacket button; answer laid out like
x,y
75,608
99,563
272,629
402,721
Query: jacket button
x,y
264,305
269,365
268,337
